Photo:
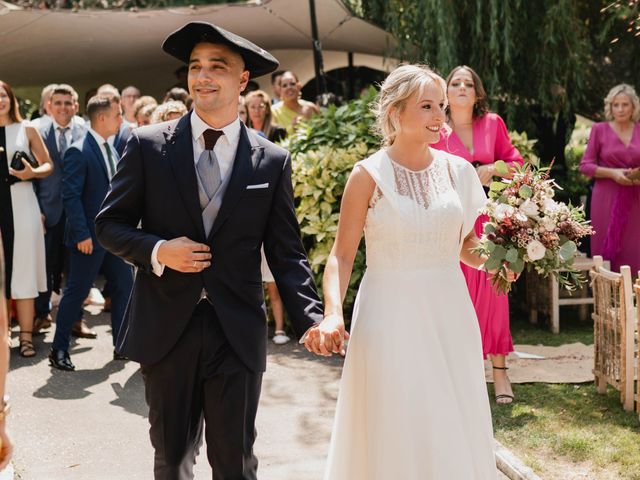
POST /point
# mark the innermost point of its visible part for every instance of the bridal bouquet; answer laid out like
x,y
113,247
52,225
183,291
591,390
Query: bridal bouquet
x,y
528,228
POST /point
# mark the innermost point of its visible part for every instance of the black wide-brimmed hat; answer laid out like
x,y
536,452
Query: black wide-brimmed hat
x,y
180,43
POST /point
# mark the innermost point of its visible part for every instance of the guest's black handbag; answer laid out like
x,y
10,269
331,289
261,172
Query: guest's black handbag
x,y
16,161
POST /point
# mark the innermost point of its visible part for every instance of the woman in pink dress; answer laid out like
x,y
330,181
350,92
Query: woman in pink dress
x,y
481,138
612,158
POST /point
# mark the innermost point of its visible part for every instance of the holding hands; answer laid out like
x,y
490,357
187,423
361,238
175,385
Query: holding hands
x,y
327,337
633,174
625,176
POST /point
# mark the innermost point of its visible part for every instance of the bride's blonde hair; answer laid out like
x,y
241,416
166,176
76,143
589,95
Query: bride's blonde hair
x,y
401,83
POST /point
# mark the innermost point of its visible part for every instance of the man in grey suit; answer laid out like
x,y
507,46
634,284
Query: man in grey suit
x,y
58,133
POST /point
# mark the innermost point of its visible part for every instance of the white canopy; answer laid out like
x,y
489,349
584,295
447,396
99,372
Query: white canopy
x,y
88,48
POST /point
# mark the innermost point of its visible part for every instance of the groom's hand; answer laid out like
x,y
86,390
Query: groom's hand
x,y
327,337
184,255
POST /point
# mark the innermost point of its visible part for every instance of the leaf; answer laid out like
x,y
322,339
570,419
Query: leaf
x,y
490,246
497,186
567,251
517,266
489,228
492,263
501,167
512,255
499,253
525,191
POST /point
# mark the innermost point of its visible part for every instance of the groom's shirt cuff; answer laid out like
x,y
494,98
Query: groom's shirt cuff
x,y
156,266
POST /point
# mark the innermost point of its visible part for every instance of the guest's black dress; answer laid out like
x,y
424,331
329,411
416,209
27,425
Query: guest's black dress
x,y
6,211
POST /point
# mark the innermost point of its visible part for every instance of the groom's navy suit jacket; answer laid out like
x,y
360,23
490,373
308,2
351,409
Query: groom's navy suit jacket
x,y
156,185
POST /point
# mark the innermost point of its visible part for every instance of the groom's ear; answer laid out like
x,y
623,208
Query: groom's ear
x,y
244,80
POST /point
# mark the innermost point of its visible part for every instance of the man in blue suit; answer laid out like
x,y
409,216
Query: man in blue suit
x,y
87,170
58,133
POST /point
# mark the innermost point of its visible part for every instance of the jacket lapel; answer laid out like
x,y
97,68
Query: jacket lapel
x,y
247,155
97,152
179,149
52,146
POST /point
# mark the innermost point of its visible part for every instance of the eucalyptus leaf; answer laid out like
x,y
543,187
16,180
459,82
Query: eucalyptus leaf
x,y
525,191
499,253
567,250
497,186
492,264
512,255
501,167
517,266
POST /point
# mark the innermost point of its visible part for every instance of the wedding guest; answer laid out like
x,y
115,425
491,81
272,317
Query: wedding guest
x,y
88,167
180,95
58,135
292,108
42,114
243,114
143,115
413,370
481,137
20,221
260,116
612,158
276,78
128,99
170,110
6,448
141,103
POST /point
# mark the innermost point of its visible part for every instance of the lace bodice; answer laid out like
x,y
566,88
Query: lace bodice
x,y
416,218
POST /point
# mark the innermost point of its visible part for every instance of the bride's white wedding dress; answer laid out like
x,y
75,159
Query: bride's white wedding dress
x,y
413,403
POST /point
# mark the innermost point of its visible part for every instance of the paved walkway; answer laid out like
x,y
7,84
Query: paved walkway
x,y
91,424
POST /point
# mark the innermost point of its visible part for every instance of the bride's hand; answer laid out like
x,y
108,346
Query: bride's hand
x,y
510,276
327,337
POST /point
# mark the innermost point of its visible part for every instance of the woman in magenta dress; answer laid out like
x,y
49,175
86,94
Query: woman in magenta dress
x,y
481,138
612,158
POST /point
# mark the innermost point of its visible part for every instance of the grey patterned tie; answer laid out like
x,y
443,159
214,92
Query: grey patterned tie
x,y
63,140
207,167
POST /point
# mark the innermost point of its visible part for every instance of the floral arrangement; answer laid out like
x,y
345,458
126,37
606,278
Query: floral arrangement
x,y
528,228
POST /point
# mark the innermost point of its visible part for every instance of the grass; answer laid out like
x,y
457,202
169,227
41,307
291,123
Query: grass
x,y
567,431
558,427
572,329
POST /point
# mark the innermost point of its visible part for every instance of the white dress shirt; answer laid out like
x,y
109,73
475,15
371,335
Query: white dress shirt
x,y
101,144
225,151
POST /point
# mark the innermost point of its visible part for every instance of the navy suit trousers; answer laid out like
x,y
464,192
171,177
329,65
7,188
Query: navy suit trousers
x,y
83,270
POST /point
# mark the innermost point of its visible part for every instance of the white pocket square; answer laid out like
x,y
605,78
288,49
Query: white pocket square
x,y
257,186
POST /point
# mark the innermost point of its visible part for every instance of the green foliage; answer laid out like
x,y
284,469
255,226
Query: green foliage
x,y
526,147
338,127
576,184
27,107
541,61
325,149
